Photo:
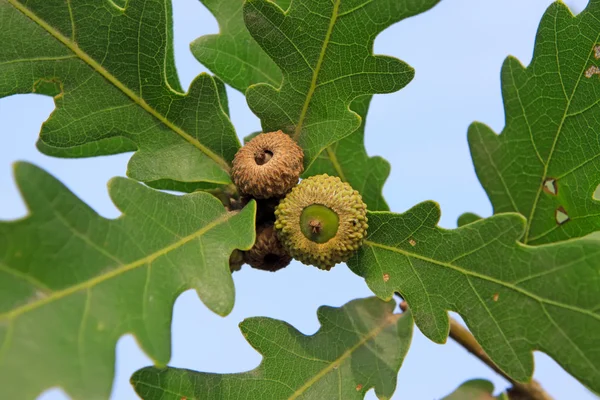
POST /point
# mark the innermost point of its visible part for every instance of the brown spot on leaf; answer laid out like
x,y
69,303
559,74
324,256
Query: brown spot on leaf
x,y
386,277
591,71
597,52
412,242
359,387
551,186
404,306
561,216
496,296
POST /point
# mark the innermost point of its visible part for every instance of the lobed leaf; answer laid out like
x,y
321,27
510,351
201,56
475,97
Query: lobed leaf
x,y
514,298
111,70
235,57
546,162
360,345
325,52
349,160
232,54
72,282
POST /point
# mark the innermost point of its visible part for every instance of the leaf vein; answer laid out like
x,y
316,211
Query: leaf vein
x,y
118,84
57,295
485,277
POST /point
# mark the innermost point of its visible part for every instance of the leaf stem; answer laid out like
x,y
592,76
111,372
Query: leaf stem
x,y
519,391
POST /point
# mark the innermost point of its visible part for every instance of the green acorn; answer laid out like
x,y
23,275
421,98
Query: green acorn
x,y
322,221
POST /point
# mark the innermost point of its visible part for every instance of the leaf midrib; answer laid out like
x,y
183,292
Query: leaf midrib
x,y
118,84
90,283
483,277
269,78
315,76
335,163
386,322
558,133
393,318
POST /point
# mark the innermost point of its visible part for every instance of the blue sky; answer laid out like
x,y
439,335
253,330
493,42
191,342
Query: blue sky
x,y
457,50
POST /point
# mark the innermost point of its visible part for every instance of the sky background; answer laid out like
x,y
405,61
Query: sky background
x,y
457,50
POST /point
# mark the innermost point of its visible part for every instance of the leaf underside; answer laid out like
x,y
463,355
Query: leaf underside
x,y
238,60
359,346
111,71
514,298
325,52
72,283
545,164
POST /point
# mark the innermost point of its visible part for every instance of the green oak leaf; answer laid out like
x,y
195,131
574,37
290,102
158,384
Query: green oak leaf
x,y
360,345
349,160
72,283
233,55
514,298
476,389
545,164
325,52
238,60
111,71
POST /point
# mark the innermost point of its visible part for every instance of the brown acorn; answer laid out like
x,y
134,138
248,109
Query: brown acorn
x,y
267,253
268,166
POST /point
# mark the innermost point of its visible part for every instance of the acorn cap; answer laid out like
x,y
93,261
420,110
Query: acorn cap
x,y
322,221
267,253
268,166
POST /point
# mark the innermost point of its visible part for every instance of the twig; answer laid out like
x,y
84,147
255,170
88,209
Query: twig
x,y
519,391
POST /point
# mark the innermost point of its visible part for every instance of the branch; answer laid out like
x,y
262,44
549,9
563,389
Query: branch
x,y
519,391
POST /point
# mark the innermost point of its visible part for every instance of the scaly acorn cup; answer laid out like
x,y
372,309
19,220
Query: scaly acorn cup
x,y
267,253
268,166
322,221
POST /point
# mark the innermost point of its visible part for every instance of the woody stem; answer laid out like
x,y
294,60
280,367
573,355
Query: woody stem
x,y
519,391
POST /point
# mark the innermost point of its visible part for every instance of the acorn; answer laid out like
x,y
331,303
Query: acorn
x,y
322,221
267,253
268,166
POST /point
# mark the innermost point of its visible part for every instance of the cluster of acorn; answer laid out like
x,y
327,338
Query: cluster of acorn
x,y
320,221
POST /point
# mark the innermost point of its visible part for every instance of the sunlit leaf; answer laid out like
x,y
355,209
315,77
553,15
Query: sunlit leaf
x,y
240,62
514,298
112,74
325,51
72,282
349,160
546,162
359,346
